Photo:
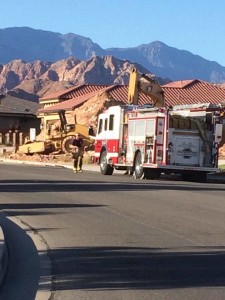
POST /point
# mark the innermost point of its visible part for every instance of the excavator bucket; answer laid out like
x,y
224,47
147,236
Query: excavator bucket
x,y
35,147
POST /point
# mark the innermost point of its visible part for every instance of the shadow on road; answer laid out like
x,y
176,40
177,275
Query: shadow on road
x,y
112,268
136,268
108,268
27,186
35,209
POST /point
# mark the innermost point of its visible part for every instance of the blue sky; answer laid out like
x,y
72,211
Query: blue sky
x,y
197,26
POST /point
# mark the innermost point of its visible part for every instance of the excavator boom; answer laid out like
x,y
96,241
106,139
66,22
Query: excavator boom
x,y
142,83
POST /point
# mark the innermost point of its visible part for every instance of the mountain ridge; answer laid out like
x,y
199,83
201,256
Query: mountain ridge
x,y
164,61
33,61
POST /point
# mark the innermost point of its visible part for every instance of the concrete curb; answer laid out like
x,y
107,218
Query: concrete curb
x,y
3,256
68,165
214,178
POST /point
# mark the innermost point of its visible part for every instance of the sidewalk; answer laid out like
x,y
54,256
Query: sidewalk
x,y
68,165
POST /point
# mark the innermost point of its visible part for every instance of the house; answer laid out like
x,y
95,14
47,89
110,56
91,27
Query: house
x,y
49,101
16,113
66,94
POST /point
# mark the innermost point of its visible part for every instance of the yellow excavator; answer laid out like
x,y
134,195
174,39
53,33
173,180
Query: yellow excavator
x,y
58,139
149,86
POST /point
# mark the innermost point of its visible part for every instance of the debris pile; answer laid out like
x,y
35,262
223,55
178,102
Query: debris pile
x,y
51,158
87,114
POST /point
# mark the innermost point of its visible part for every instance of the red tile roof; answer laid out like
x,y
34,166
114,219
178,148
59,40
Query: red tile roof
x,y
118,92
178,92
72,103
179,84
73,92
193,92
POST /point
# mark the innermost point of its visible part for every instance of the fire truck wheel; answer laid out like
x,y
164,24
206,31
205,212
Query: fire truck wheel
x,y
66,144
105,168
138,168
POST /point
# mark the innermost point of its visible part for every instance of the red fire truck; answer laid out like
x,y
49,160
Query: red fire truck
x,y
151,140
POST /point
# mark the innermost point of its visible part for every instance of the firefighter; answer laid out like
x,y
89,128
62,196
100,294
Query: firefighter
x,y
77,146
91,131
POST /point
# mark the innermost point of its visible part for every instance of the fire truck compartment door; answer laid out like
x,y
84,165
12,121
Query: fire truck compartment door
x,y
187,151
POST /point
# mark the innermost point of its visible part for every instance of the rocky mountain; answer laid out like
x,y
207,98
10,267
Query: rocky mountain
x,y
166,62
30,79
30,44
172,63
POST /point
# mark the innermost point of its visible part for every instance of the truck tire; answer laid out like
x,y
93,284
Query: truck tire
x,y
138,168
66,144
105,168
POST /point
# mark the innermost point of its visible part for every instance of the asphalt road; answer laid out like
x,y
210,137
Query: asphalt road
x,y
110,237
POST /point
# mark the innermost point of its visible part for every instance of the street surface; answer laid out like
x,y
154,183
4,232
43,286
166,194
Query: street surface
x,y
89,236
